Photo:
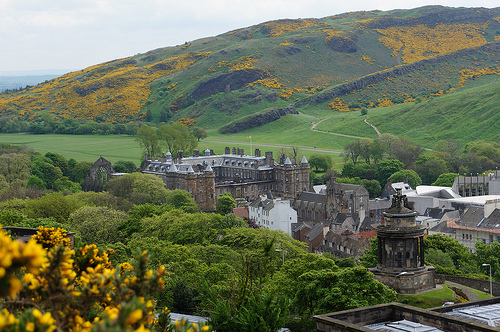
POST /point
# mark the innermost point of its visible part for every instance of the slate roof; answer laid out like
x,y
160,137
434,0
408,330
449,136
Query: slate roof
x,y
436,213
472,217
444,227
314,232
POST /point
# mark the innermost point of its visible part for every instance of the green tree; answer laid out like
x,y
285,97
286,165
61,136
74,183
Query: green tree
x,y
490,150
122,166
225,204
59,161
15,167
53,205
181,199
386,168
429,168
43,168
489,254
97,224
231,220
177,137
148,140
445,180
80,171
320,162
199,133
373,187
412,177
34,181
462,258
64,183
438,257
138,188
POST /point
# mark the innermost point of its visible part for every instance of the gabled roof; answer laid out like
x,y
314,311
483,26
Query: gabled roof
x,y
493,220
445,227
436,213
472,217
314,232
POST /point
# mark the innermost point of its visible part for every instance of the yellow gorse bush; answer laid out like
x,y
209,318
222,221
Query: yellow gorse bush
x,y
421,41
277,28
61,289
116,90
337,104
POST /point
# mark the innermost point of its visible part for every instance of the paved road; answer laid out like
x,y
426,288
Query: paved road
x,y
470,294
279,146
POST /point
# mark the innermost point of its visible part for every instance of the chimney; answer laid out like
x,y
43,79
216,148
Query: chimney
x,y
181,155
257,152
226,150
211,152
234,150
269,158
196,153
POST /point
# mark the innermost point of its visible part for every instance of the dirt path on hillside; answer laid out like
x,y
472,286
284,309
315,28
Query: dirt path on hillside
x,y
375,128
314,124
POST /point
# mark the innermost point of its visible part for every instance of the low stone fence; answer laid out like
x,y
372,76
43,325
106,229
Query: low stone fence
x,y
482,285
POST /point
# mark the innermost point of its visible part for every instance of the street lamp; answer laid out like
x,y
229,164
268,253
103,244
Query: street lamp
x,y
283,252
400,274
491,290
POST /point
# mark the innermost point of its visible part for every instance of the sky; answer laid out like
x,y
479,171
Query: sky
x,y
67,35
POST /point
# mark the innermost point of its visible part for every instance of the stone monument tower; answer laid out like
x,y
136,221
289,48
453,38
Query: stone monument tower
x,y
401,263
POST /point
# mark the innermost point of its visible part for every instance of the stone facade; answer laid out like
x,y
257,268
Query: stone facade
x,y
477,185
244,176
401,264
99,174
338,198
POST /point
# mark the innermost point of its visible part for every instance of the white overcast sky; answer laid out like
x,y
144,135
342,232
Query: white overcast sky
x,y
74,34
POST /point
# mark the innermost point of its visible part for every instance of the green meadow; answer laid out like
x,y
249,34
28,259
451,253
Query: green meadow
x,y
123,147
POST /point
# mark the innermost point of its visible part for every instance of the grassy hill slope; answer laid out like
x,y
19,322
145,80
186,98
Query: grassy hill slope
x,y
321,66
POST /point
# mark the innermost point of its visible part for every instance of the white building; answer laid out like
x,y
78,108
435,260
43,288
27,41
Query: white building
x,y
275,214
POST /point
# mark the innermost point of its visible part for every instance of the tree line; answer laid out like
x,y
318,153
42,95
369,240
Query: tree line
x,y
371,162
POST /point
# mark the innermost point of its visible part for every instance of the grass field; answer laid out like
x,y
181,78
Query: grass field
x,y
123,147
435,298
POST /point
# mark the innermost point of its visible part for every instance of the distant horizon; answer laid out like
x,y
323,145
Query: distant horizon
x,y
34,72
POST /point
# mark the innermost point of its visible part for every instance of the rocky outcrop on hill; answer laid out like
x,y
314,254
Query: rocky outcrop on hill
x,y
257,120
227,82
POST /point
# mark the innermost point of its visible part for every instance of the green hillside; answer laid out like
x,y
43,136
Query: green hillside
x,y
321,67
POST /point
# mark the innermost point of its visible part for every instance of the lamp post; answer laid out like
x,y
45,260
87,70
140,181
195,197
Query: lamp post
x,y
491,290
400,274
283,252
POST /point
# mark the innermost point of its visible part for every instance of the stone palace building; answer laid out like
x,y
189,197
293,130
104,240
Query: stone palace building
x,y
244,176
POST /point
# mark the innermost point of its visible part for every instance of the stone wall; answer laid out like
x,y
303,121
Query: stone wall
x,y
482,285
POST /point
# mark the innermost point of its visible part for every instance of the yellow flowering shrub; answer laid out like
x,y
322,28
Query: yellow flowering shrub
x,y
50,237
286,93
286,43
367,59
244,62
187,121
116,90
66,290
268,83
421,41
467,73
337,104
279,27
